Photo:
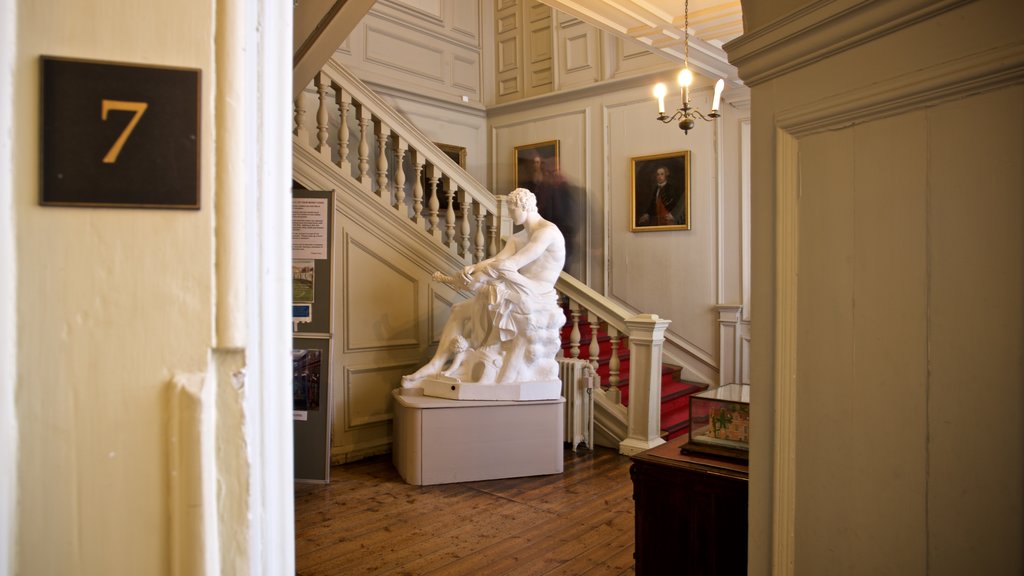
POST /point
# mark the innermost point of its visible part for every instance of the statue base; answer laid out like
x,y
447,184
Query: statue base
x,y
451,389
438,441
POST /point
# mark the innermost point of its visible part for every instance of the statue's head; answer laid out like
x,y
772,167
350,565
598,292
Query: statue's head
x,y
524,199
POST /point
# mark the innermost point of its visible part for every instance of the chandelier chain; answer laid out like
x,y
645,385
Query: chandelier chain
x,y
686,114
686,34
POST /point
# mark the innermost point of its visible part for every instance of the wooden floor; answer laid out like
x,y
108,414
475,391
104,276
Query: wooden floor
x,y
369,521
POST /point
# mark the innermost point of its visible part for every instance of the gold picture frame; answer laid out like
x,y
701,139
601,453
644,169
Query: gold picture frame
x,y
651,209
525,157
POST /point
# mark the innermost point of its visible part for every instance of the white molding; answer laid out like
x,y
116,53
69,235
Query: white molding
x,y
786,278
745,235
718,144
971,74
821,30
268,171
596,89
8,296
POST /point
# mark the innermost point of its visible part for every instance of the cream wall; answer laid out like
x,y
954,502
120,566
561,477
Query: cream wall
x,y
102,324
112,304
888,312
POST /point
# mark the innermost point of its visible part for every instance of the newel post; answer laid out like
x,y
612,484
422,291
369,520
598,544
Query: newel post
x,y
646,340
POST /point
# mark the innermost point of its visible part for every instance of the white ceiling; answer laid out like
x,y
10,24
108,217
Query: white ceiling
x,y
659,24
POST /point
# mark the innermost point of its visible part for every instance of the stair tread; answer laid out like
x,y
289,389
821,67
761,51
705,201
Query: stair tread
x,y
675,392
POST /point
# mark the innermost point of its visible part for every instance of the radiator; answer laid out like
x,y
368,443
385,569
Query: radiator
x,y
578,380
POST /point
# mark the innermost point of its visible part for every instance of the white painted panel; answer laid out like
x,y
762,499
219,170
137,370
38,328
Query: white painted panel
x,y
380,303
508,86
976,383
537,12
440,309
631,58
368,394
540,77
392,48
577,51
866,266
466,74
465,18
427,7
540,44
508,54
507,23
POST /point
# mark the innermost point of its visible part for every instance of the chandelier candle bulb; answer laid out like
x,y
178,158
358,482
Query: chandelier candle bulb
x,y
659,92
685,79
719,86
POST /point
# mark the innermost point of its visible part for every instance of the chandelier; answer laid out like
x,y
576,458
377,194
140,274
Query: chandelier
x,y
686,113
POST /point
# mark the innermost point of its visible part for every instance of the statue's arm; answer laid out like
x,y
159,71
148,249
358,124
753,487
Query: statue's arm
x,y
537,245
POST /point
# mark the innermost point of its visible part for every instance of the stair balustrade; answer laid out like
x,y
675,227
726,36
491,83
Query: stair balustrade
x,y
360,139
636,427
359,144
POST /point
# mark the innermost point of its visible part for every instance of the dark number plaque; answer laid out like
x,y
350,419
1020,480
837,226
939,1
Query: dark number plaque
x,y
119,135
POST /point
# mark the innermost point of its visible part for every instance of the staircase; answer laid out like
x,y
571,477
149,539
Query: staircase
x,y
675,392
388,178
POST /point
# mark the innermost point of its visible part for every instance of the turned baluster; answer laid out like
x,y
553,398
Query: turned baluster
x,y
574,334
433,204
467,211
400,147
382,132
300,120
492,237
344,101
613,361
417,186
595,346
364,143
322,147
479,239
449,215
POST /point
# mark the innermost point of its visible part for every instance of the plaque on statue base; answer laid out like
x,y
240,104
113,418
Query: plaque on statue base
x,y
523,391
440,441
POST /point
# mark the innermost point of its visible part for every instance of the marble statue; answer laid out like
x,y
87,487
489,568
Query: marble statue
x,y
507,332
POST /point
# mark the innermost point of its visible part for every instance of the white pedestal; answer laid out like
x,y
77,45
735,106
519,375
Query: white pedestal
x,y
439,441
453,390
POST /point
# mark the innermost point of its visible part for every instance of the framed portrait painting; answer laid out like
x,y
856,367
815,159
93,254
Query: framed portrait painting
x,y
660,192
535,164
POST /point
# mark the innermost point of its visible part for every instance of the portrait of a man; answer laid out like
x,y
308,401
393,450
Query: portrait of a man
x,y
661,192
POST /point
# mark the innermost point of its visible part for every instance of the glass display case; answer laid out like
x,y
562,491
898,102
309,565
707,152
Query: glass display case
x,y
720,421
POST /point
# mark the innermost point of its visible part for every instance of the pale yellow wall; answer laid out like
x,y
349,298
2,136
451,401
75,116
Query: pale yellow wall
x,y
111,303
909,311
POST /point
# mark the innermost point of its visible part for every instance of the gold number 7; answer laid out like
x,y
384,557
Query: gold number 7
x,y
138,107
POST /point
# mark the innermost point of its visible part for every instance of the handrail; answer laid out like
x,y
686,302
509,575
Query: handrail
x,y
594,301
405,129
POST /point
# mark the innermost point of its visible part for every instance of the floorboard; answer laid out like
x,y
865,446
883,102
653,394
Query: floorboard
x,y
369,521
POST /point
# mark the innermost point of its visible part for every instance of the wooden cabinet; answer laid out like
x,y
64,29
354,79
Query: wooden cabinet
x,y
691,513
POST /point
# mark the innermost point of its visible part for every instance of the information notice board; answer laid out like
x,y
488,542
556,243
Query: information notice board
x,y
312,337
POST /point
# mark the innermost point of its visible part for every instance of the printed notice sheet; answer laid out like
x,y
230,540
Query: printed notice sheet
x,y
309,228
